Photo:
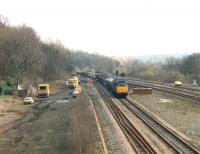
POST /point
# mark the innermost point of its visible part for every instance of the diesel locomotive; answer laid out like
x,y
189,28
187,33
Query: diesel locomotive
x,y
116,85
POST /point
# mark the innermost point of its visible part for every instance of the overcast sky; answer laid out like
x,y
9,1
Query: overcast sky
x,y
112,27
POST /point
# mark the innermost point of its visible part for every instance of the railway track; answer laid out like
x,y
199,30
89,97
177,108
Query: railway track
x,y
182,88
168,136
176,91
165,85
137,141
175,142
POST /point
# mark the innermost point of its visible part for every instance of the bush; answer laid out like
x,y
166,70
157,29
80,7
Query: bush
x,y
172,76
8,91
10,81
7,85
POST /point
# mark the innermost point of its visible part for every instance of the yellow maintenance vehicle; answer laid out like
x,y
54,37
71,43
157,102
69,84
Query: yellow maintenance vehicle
x,y
43,90
77,91
73,82
78,88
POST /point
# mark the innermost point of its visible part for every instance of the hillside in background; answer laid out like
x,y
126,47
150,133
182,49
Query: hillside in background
x,y
159,58
87,62
24,57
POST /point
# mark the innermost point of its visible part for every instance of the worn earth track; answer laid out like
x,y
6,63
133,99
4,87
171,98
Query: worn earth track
x,y
172,139
138,142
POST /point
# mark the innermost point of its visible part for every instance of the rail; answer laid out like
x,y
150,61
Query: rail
x,y
138,142
171,138
186,94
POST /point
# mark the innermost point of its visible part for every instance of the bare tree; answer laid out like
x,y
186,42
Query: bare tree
x,y
3,21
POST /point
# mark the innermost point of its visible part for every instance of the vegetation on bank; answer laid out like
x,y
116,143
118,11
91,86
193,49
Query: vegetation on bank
x,y
24,58
185,69
86,61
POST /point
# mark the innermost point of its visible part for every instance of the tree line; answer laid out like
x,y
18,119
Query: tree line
x,y
184,69
86,61
25,58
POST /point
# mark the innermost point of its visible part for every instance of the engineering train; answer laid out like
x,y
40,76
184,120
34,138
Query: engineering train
x,y
116,85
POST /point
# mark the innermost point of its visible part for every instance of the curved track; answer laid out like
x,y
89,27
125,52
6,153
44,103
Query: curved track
x,y
165,85
172,139
176,91
138,142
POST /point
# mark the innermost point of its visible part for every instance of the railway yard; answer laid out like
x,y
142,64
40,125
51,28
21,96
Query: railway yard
x,y
100,77
96,121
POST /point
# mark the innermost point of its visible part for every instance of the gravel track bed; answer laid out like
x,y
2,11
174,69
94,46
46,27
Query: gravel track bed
x,y
180,114
115,140
150,136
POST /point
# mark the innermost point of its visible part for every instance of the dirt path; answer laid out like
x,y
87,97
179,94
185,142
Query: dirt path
x,y
59,124
11,109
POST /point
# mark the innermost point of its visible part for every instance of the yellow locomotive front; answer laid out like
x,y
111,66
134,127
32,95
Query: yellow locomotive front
x,y
120,88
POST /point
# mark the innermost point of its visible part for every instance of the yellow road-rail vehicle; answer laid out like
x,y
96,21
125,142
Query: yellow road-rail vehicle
x,y
43,90
73,82
78,88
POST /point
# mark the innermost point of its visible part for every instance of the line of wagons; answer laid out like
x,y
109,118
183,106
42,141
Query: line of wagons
x,y
116,85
